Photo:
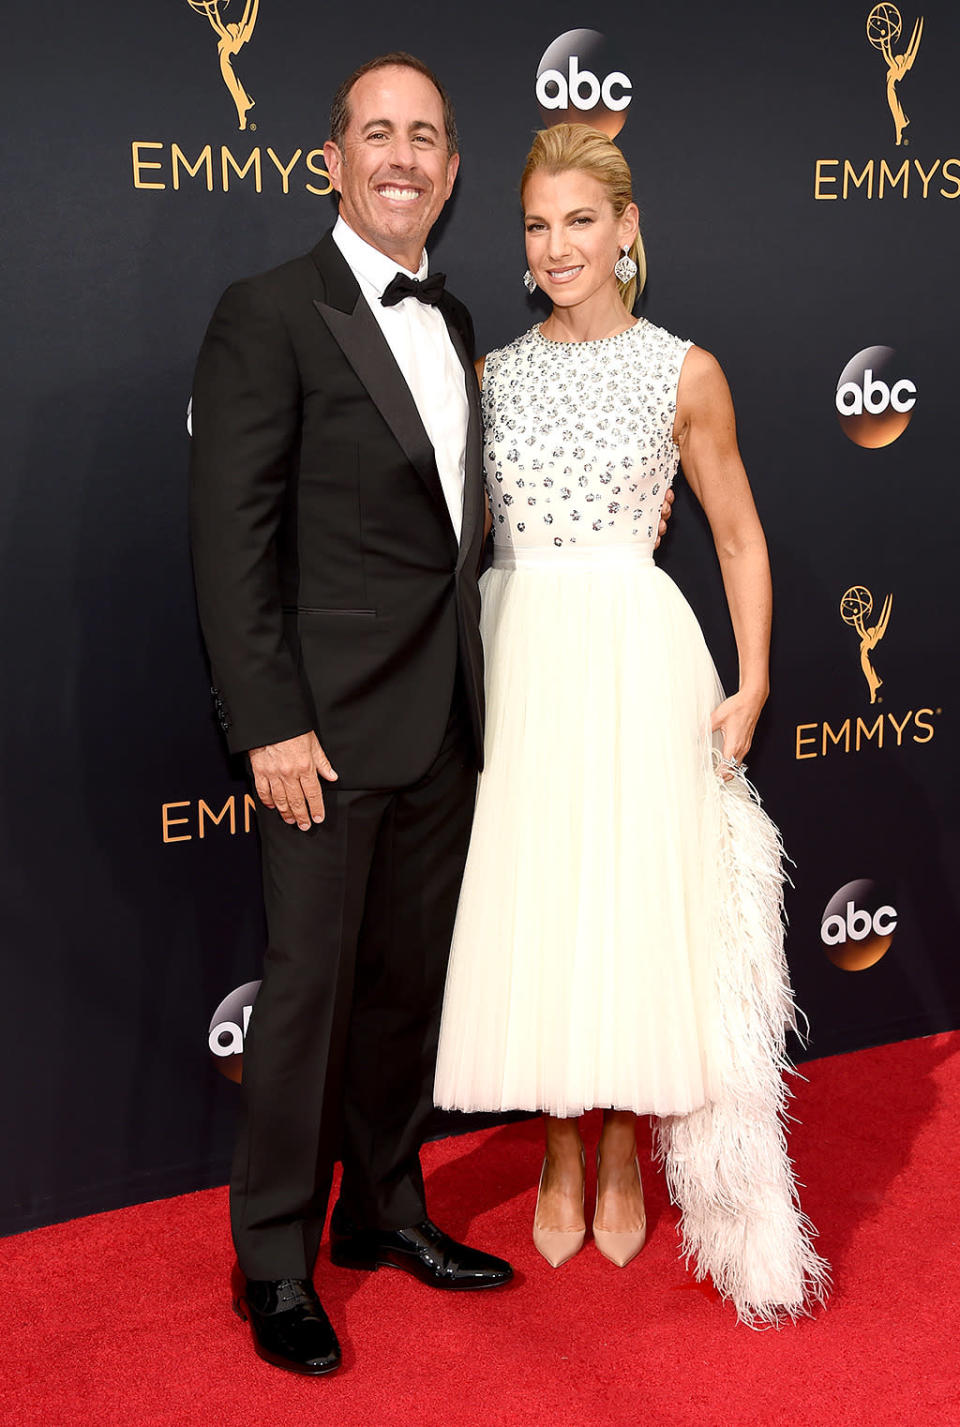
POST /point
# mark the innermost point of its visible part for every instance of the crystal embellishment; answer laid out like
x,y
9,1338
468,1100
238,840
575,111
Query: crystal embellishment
x,y
593,413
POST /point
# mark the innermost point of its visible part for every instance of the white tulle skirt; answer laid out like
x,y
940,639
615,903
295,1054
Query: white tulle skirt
x,y
581,972
619,938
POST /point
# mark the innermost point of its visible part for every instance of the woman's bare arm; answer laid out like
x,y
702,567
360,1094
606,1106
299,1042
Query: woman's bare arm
x,y
706,433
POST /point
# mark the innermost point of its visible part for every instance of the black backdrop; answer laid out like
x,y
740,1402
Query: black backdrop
x,y
129,913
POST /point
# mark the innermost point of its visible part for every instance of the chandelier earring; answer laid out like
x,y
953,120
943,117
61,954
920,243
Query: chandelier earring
x,y
625,268
529,281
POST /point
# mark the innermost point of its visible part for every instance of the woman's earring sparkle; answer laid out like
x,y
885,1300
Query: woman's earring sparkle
x,y
625,268
530,282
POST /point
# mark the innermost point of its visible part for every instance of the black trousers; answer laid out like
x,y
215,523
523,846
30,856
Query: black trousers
x,y
340,1054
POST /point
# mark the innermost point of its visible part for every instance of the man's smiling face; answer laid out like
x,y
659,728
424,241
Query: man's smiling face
x,y
394,173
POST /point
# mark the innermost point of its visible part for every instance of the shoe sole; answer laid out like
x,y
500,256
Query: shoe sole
x,y
343,1259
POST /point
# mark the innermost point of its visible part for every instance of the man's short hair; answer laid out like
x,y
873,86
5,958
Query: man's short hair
x,y
398,59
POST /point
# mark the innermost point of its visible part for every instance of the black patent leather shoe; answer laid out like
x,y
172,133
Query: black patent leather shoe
x,y
424,1251
289,1327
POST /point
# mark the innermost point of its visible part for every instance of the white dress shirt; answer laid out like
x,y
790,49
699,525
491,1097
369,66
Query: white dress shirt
x,y
418,338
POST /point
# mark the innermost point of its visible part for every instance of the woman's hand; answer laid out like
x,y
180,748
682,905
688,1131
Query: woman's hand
x,y
737,718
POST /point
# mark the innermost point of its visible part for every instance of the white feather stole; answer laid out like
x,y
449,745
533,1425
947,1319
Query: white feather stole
x,y
726,1164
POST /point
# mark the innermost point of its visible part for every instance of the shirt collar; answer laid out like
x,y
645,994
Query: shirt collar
x,y
369,263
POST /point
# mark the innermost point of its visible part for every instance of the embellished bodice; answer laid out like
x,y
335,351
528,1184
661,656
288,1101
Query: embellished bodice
x,y
578,439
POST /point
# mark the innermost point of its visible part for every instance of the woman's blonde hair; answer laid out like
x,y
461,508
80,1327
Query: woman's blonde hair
x,y
577,147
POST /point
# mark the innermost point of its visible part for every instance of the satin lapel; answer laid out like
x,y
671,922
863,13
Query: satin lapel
x,y
359,337
473,454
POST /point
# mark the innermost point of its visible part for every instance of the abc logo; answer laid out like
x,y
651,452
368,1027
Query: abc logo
x,y
228,1029
874,403
857,926
576,83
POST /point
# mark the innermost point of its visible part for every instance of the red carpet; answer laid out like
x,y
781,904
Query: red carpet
x,y
122,1319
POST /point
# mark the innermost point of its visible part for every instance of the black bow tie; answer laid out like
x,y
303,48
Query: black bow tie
x,y
401,286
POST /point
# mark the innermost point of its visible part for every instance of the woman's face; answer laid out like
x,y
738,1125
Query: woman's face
x,y
572,236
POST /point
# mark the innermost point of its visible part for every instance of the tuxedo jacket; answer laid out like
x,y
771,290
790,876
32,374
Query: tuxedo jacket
x,y
332,590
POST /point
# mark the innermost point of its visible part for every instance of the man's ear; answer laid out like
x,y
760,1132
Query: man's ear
x,y
333,159
453,168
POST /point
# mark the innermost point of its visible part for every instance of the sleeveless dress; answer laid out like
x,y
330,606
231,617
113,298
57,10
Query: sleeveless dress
x,y
619,937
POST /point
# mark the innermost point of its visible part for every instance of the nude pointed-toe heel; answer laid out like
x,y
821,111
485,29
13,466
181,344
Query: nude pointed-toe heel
x,y
620,1245
556,1245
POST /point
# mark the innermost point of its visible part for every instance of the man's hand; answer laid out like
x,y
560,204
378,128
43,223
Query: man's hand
x,y
285,775
666,510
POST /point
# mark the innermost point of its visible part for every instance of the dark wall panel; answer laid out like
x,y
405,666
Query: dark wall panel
x,y
787,231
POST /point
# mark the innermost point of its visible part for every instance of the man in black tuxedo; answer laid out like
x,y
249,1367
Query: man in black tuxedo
x,y
337,520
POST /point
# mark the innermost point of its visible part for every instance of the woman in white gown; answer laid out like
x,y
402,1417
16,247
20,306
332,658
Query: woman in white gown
x,y
619,940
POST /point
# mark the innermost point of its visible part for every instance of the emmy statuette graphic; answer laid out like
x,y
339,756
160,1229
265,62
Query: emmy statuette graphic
x,y
884,26
856,606
232,38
